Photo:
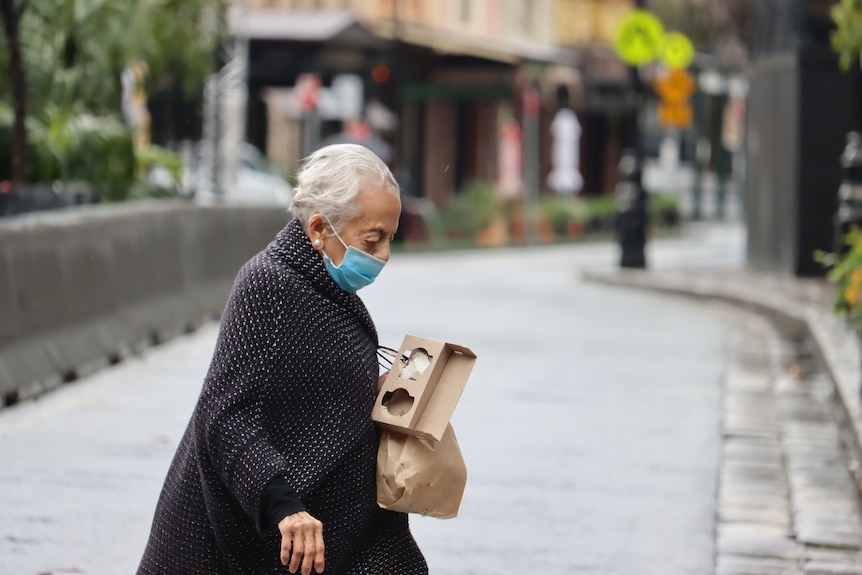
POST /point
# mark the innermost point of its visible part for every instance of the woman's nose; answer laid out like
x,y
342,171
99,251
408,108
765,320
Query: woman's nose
x,y
383,252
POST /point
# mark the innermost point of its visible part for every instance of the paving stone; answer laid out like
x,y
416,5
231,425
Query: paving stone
x,y
764,547
818,568
753,531
837,525
778,517
746,498
754,471
752,432
731,565
811,418
828,556
750,429
734,487
839,497
748,366
784,384
742,450
804,442
765,501
819,537
749,399
738,380
762,415
832,555
798,434
840,521
817,460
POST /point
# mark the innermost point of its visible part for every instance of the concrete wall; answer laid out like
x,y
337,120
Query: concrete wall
x,y
87,287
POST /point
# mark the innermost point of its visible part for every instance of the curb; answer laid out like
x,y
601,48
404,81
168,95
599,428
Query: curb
x,y
835,344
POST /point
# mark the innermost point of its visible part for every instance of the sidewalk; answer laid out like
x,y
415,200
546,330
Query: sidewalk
x,y
787,503
800,309
800,304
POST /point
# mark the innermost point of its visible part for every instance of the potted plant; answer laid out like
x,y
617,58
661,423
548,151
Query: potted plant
x,y
565,215
845,271
471,211
664,209
602,213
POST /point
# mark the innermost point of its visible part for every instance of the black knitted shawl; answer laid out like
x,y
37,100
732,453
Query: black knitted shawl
x,y
289,394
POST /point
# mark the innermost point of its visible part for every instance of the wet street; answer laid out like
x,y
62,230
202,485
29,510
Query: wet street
x,y
591,425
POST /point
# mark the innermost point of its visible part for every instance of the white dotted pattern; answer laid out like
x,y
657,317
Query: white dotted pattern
x,y
288,394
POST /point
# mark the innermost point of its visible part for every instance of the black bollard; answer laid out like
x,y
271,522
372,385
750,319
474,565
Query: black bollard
x,y
631,216
849,213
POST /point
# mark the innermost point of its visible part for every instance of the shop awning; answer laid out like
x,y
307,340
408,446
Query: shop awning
x,y
340,26
501,50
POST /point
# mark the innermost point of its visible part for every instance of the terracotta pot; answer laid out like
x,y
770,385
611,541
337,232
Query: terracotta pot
x,y
495,235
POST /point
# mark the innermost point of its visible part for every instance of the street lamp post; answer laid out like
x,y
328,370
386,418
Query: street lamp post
x,y
631,211
631,198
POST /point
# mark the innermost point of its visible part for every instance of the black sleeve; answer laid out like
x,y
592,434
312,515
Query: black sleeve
x,y
279,500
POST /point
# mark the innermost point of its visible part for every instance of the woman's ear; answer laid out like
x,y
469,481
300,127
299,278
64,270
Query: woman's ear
x,y
316,231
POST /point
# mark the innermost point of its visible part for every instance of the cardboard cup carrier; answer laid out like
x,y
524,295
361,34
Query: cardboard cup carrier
x,y
423,387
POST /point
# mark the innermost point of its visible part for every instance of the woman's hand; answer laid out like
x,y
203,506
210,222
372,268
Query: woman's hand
x,y
301,543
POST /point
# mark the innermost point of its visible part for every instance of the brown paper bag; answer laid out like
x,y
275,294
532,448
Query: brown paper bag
x,y
419,475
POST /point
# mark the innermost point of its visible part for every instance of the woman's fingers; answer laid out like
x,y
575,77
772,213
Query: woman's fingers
x,y
302,543
309,557
296,555
318,548
286,545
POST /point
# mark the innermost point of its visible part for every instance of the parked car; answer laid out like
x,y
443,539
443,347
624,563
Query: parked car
x,y
257,181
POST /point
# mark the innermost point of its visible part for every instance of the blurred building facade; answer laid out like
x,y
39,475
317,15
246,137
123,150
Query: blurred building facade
x,y
438,79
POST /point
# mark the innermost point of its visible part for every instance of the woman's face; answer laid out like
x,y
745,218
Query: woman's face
x,y
371,231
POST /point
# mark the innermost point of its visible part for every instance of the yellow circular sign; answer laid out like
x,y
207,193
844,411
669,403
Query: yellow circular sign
x,y
678,51
640,38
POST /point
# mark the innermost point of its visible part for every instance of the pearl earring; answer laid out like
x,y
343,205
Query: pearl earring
x,y
316,243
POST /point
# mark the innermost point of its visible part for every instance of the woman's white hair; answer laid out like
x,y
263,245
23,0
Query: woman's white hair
x,y
329,180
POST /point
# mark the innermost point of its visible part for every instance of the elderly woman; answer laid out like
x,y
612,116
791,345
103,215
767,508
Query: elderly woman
x,y
276,470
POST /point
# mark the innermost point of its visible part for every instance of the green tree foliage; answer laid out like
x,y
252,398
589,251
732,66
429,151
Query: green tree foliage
x,y
74,53
847,36
76,50
697,20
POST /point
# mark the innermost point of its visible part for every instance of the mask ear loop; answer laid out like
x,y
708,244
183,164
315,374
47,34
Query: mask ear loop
x,y
335,233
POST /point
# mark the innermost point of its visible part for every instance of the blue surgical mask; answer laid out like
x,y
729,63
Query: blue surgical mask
x,y
357,270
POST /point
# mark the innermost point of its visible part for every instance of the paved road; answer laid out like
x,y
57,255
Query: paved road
x,y
591,425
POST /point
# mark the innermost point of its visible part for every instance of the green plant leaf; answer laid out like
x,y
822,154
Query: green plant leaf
x,y
846,38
